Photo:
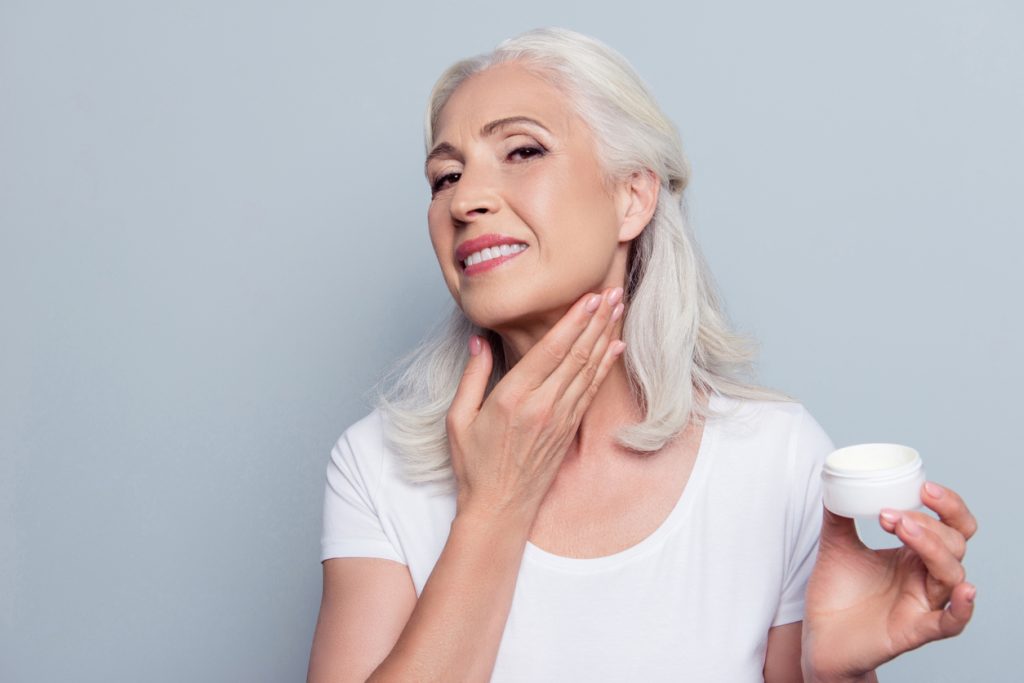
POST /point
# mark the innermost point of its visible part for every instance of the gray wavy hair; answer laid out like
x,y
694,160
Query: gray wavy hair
x,y
679,342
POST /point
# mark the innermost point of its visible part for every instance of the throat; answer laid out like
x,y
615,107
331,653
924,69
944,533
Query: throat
x,y
593,511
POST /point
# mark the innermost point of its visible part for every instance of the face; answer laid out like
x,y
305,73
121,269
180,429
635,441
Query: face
x,y
521,219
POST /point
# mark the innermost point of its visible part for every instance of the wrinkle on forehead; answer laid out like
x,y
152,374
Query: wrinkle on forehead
x,y
511,89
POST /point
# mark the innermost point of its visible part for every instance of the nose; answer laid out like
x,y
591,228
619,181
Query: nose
x,y
474,195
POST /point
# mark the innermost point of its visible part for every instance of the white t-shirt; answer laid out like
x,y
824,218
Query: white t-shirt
x,y
691,602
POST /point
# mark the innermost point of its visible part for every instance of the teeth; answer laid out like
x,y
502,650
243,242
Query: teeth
x,y
493,252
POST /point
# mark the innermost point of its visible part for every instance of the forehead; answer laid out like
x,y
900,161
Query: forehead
x,y
502,91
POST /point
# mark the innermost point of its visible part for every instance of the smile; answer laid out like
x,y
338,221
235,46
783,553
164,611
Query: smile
x,y
492,257
492,253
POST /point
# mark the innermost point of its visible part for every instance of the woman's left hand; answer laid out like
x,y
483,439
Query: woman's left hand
x,y
865,607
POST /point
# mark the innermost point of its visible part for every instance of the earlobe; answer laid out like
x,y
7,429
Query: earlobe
x,y
641,199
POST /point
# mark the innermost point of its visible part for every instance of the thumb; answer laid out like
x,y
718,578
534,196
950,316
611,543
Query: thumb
x,y
469,396
838,531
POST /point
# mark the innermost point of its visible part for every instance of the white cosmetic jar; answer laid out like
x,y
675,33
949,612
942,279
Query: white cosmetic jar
x,y
859,481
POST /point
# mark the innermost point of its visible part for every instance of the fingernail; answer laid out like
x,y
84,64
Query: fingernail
x,y
971,594
890,516
934,490
910,526
593,303
475,345
618,347
617,312
614,296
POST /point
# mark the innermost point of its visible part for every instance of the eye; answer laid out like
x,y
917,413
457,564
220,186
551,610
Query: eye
x,y
443,182
527,152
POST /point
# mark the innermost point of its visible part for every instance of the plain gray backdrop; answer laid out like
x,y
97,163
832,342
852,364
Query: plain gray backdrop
x,y
214,240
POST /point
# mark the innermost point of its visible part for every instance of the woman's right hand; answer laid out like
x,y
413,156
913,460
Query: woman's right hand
x,y
506,450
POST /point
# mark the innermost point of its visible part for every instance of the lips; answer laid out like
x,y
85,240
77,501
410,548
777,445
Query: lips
x,y
483,242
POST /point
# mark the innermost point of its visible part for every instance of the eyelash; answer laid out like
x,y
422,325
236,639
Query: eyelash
x,y
534,152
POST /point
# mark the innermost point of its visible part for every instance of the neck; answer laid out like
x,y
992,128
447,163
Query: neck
x,y
612,407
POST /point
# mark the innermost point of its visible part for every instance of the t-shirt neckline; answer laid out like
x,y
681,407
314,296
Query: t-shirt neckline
x,y
693,488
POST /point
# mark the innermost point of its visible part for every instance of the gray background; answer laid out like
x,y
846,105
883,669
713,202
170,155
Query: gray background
x,y
214,239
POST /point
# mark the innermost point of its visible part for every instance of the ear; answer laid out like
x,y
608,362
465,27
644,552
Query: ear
x,y
638,198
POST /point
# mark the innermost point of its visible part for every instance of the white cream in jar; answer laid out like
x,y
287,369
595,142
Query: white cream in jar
x,y
859,481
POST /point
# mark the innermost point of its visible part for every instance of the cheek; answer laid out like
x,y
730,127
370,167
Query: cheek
x,y
440,237
572,217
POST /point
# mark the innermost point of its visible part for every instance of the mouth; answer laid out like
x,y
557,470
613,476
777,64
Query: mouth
x,y
487,251
492,253
485,259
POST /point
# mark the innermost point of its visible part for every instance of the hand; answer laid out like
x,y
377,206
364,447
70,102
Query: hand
x,y
506,449
865,607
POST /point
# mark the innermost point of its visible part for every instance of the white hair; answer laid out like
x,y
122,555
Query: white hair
x,y
678,339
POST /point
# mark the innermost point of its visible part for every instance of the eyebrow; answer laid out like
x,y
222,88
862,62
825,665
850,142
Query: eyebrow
x,y
446,149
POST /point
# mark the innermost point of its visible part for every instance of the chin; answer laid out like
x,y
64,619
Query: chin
x,y
517,313
494,318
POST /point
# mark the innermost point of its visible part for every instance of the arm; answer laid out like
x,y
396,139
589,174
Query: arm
x,y
454,630
372,627
366,604
782,658
782,655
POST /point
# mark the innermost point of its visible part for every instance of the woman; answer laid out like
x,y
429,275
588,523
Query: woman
x,y
535,499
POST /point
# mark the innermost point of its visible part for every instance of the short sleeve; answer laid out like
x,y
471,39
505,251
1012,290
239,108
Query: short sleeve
x,y
352,521
809,446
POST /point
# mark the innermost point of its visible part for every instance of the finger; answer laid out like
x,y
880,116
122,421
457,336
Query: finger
x,y
588,349
469,395
951,620
584,388
953,539
950,507
839,532
937,558
538,364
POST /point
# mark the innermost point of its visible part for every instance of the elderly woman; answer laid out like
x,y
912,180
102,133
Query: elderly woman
x,y
571,480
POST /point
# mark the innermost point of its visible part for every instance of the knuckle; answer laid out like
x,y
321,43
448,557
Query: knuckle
x,y
553,352
959,546
541,407
508,402
574,416
970,526
579,356
545,412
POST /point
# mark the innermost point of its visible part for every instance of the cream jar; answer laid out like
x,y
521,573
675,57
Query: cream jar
x,y
859,481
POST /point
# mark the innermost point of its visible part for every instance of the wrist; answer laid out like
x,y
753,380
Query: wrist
x,y
509,524
817,667
812,676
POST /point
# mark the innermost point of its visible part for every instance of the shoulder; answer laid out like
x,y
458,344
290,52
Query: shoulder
x,y
786,428
366,447
367,431
773,452
361,448
744,414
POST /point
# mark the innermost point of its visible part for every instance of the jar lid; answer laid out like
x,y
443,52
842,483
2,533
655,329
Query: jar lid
x,y
871,461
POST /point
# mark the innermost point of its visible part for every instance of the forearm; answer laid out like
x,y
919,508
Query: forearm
x,y
456,627
810,677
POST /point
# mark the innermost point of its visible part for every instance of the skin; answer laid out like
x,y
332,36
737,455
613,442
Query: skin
x,y
556,409
539,183
542,183
864,607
